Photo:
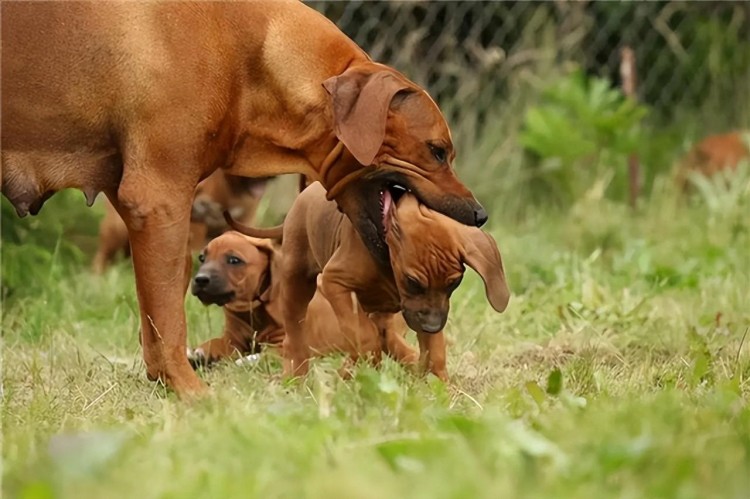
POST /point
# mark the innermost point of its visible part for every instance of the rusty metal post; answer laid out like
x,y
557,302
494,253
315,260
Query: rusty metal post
x,y
628,79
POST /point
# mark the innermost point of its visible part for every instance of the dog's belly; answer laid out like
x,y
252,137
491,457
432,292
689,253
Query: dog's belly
x,y
30,178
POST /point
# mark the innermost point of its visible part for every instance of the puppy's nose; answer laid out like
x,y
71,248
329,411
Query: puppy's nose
x,y
202,280
480,216
431,322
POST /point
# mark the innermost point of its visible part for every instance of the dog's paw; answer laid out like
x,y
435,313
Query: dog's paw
x,y
197,357
253,358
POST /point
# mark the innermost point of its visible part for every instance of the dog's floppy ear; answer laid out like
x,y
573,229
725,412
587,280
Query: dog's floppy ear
x,y
482,255
262,244
360,109
267,246
407,206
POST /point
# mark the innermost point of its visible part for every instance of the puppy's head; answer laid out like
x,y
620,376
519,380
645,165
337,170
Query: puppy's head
x,y
233,270
428,252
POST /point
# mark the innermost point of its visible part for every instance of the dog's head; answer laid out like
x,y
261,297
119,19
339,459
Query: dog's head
x,y
392,127
234,271
428,252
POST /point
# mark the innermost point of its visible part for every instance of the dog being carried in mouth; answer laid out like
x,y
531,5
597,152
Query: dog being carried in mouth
x,y
427,256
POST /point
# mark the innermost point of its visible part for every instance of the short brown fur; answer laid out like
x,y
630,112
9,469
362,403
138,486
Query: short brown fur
x,y
142,100
219,192
425,247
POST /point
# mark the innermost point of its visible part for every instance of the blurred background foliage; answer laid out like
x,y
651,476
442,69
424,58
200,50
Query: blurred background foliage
x,y
531,91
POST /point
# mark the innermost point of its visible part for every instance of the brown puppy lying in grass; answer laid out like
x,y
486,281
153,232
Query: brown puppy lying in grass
x,y
237,273
427,256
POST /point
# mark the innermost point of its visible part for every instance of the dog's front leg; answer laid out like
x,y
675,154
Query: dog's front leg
x,y
155,205
392,328
359,331
432,354
297,291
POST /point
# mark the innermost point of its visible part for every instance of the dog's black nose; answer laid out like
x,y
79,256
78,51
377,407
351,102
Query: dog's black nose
x,y
201,280
431,322
480,217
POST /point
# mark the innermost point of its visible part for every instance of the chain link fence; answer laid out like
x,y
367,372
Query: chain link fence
x,y
475,56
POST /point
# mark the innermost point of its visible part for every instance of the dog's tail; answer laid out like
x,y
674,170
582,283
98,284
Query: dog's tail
x,y
261,232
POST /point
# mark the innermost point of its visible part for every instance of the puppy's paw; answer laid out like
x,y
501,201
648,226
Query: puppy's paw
x,y
253,358
197,358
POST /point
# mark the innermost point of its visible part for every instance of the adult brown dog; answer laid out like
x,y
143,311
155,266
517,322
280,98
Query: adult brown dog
x,y
219,192
142,100
236,273
427,255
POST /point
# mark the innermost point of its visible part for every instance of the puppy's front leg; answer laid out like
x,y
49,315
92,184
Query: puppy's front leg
x,y
392,328
432,354
359,331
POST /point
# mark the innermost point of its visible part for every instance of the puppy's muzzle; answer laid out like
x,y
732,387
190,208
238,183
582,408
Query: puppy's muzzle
x,y
211,288
426,321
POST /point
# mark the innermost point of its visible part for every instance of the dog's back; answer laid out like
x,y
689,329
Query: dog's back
x,y
713,154
313,228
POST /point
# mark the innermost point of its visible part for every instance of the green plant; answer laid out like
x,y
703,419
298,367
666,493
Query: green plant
x,y
581,131
38,250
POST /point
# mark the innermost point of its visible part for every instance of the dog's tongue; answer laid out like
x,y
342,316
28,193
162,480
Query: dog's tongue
x,y
387,201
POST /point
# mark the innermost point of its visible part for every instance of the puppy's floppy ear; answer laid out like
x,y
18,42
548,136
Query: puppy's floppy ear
x,y
360,109
406,207
393,229
269,248
482,255
262,244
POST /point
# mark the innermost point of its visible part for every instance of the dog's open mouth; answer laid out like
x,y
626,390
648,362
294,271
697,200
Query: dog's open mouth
x,y
369,204
389,196
219,299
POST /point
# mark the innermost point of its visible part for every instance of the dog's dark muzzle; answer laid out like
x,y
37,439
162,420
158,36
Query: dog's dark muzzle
x,y
211,288
426,321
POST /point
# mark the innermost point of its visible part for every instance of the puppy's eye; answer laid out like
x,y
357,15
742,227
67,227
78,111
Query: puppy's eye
x,y
201,258
454,284
438,153
233,260
413,286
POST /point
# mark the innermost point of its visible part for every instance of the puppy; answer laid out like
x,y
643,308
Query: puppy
x,y
427,256
236,273
713,154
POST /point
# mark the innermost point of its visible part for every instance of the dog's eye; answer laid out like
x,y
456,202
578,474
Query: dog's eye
x,y
454,284
413,286
233,260
201,258
438,153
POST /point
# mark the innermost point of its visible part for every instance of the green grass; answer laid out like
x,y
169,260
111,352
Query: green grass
x,y
620,369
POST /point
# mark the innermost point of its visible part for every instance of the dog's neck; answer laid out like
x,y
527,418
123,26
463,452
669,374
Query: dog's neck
x,y
294,132
256,320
